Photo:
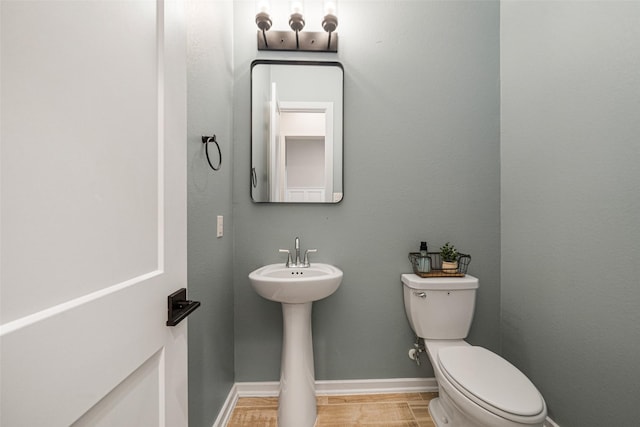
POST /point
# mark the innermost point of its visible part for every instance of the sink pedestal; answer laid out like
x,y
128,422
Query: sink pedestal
x,y
296,288
297,402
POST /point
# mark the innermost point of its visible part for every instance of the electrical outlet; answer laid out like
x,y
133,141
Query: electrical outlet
x,y
220,226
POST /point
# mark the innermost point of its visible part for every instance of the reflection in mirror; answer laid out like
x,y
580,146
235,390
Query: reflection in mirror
x,y
296,131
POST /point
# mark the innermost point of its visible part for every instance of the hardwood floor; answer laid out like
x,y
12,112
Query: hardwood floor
x,y
389,410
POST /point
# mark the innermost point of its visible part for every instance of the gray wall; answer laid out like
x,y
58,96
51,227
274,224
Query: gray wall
x,y
571,205
421,163
210,83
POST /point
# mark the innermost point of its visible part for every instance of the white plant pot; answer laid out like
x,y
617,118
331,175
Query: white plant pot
x,y
450,266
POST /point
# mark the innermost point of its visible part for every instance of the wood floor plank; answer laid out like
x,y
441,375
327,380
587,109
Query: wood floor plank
x,y
420,410
428,395
252,417
377,398
385,424
372,410
361,413
257,401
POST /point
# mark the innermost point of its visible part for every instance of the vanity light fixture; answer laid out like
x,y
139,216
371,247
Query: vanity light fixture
x,y
263,20
330,21
296,20
297,40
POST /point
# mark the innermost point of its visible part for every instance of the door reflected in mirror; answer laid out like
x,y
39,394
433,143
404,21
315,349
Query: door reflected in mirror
x,y
296,131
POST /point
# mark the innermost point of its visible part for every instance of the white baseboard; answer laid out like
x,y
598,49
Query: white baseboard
x,y
550,423
332,388
336,387
392,385
227,408
258,389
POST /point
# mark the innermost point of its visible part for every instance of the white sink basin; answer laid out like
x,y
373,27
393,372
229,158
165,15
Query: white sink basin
x,y
279,283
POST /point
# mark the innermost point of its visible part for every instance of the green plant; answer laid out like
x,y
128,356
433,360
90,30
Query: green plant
x,y
449,253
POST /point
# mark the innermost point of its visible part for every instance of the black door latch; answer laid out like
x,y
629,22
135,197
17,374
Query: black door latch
x,y
180,307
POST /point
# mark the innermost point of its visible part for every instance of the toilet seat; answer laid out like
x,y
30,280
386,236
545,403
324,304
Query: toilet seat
x,y
491,382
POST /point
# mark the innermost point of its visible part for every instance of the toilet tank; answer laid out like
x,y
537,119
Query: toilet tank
x,y
440,307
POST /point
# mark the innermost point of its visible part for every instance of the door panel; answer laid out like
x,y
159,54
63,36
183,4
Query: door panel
x,y
80,115
93,210
123,400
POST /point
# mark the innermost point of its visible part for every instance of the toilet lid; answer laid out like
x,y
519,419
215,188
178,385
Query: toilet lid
x,y
494,382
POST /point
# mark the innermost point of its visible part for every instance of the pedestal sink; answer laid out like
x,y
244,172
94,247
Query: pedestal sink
x,y
296,289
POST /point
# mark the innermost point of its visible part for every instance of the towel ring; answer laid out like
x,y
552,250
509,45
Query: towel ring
x,y
206,140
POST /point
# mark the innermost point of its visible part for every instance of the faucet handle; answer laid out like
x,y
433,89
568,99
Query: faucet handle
x,y
306,255
289,262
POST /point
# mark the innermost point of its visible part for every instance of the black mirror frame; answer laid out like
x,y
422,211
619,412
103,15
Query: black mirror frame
x,y
253,178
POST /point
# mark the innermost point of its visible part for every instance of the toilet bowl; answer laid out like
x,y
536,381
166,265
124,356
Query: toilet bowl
x,y
477,388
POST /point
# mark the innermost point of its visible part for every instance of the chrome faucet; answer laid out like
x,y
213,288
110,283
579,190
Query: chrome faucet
x,y
298,263
298,251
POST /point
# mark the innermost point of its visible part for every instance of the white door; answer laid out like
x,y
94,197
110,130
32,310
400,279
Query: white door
x,y
275,171
93,213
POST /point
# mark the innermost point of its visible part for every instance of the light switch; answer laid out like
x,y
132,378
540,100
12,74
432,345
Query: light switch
x,y
220,226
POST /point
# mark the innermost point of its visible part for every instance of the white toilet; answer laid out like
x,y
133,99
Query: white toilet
x,y
477,388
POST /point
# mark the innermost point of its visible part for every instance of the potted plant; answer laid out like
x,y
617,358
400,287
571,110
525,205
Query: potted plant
x,y
449,255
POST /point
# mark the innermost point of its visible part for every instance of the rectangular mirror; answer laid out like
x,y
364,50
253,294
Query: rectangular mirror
x,y
296,131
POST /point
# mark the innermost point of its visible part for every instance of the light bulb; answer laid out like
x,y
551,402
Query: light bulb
x,y
296,20
262,6
330,8
263,20
330,21
296,7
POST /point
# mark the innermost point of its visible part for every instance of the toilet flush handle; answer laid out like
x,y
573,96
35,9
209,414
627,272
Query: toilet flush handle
x,y
420,294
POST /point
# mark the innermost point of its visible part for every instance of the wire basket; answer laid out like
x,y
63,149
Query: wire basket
x,y
435,261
